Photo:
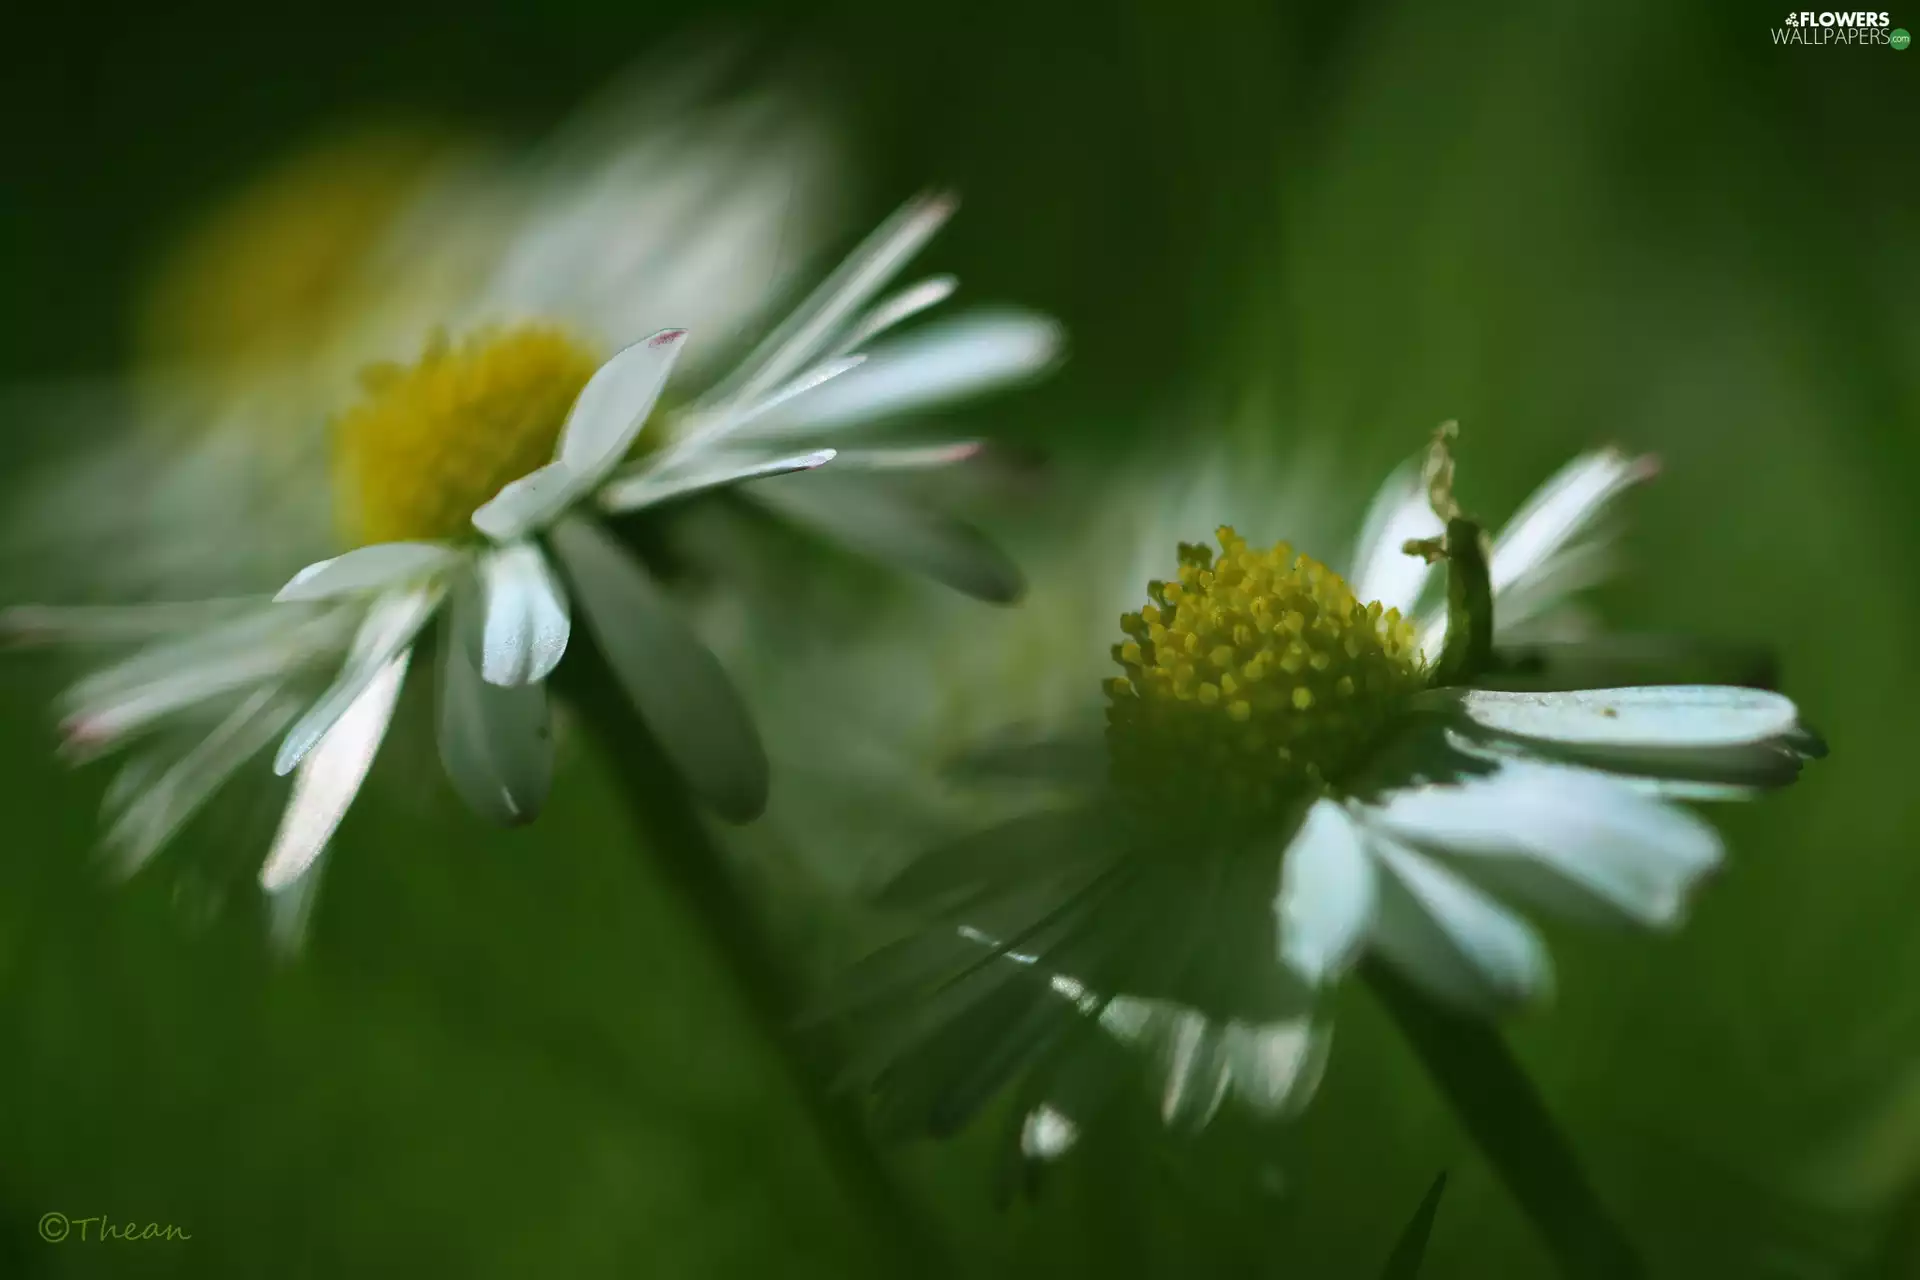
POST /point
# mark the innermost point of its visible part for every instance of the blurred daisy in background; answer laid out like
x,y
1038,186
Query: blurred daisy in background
x,y
449,475
688,195
1288,779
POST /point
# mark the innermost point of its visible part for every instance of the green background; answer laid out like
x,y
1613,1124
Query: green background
x,y
1563,224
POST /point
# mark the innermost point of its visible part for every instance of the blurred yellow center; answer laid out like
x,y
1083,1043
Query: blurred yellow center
x,y
277,270
1252,675
432,441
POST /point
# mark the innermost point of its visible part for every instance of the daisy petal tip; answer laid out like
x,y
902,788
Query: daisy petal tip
x,y
294,590
513,670
288,757
498,522
516,815
281,873
1807,743
546,658
83,736
493,522
937,204
1310,968
24,625
666,338
1046,342
1529,998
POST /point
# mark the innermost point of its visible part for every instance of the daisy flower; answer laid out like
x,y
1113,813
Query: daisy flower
x,y
679,197
1297,772
478,478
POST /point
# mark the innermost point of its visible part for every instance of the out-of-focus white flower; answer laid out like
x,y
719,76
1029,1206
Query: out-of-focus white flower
x,y
1289,779
461,470
677,199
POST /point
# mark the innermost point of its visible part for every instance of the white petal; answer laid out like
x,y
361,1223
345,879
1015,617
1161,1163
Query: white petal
x,y
1194,1059
1541,597
1560,510
941,362
670,200
264,627
289,910
1568,839
150,817
330,777
954,878
1706,773
36,624
390,626
909,457
1327,895
1047,1133
808,331
677,684
101,726
648,487
526,616
1540,603
496,743
368,569
697,431
1453,940
902,306
863,517
615,404
260,648
1382,570
530,503
1547,553
1276,1066
1692,790
1654,716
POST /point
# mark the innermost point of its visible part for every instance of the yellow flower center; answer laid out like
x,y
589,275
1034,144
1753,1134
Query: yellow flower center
x,y
1250,677
279,269
432,441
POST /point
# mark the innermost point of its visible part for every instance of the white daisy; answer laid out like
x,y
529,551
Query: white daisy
x,y
1295,774
683,195
417,461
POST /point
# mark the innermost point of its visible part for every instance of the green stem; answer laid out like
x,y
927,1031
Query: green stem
x,y
1504,1114
676,840
1469,644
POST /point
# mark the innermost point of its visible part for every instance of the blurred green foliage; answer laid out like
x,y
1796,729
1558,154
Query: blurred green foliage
x,y
510,1054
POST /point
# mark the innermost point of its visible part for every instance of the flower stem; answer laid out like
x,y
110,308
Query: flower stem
x,y
1507,1119
677,842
